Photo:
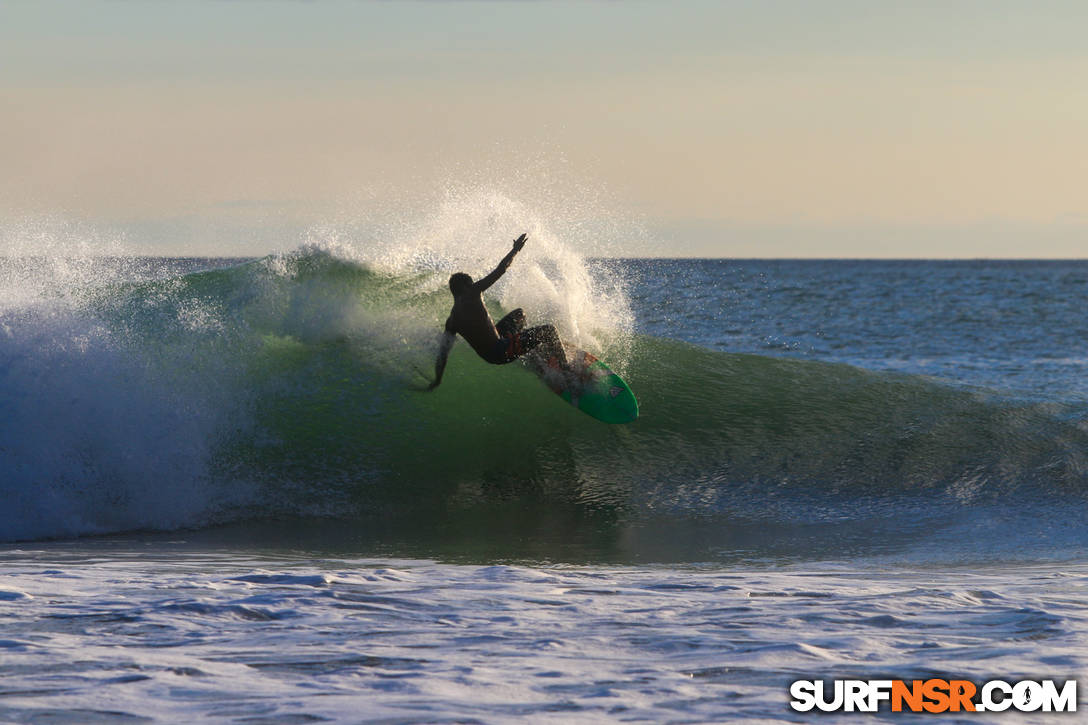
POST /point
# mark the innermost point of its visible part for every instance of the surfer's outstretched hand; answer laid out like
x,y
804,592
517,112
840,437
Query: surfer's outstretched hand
x,y
520,242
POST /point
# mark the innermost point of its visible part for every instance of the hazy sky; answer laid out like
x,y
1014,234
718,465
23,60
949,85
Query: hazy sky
x,y
763,128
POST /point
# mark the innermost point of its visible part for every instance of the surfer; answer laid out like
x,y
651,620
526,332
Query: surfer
x,y
496,343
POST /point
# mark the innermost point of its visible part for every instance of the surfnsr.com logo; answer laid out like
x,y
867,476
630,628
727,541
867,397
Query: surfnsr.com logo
x,y
934,695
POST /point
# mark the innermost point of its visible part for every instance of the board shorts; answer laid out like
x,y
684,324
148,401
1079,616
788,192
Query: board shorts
x,y
514,341
509,349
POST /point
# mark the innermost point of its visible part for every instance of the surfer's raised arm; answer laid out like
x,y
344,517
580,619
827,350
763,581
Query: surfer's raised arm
x,y
444,347
503,265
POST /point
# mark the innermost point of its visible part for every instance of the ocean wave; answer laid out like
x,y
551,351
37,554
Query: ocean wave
x,y
292,385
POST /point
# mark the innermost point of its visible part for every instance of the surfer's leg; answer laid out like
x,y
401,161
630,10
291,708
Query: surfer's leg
x,y
505,350
545,337
510,348
512,324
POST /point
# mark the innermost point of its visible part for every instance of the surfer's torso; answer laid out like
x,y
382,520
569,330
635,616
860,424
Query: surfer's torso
x,y
470,319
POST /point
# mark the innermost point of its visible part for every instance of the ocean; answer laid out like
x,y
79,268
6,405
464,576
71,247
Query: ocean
x,y
226,498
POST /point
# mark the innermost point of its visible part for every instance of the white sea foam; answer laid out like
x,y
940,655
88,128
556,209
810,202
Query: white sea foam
x,y
189,636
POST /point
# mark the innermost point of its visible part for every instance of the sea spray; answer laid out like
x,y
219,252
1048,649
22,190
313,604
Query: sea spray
x,y
470,231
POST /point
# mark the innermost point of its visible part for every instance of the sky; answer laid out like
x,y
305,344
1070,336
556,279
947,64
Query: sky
x,y
840,128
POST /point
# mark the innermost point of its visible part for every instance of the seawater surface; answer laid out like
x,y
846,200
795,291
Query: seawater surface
x,y
227,499
177,634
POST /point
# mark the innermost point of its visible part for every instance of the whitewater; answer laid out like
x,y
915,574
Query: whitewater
x,y
226,497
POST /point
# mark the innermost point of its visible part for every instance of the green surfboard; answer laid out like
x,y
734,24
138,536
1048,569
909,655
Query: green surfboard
x,y
587,384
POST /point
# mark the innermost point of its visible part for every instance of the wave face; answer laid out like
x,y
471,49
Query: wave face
x,y
291,386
